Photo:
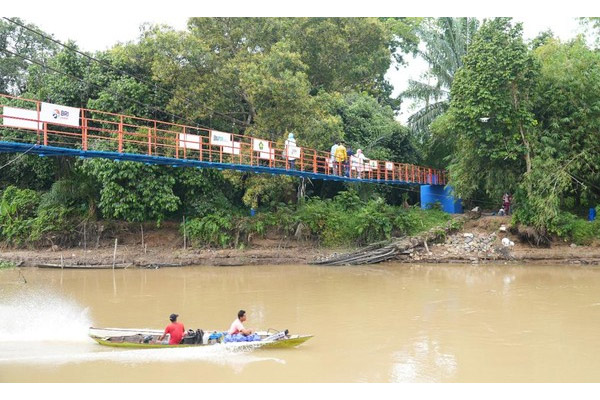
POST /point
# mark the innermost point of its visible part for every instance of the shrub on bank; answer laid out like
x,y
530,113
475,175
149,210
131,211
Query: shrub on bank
x,y
343,221
25,219
577,230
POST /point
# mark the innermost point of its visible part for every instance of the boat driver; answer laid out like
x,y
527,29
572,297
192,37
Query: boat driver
x,y
173,332
237,326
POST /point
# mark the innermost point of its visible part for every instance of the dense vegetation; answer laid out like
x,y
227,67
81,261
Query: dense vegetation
x,y
501,114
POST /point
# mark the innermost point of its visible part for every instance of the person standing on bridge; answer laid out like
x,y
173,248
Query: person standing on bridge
x,y
359,160
332,158
349,154
290,143
340,158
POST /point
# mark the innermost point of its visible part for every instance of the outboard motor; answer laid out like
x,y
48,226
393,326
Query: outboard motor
x,y
278,335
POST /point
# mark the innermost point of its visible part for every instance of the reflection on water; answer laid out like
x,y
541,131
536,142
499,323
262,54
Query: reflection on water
x,y
423,362
384,323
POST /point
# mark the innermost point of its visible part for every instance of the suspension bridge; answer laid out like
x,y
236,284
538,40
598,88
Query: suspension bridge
x,y
36,127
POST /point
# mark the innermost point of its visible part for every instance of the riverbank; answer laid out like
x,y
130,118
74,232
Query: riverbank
x,y
479,241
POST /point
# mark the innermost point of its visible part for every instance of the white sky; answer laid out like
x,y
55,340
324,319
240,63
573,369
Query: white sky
x,y
101,25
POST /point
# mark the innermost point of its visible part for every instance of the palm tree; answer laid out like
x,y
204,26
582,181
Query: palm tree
x,y
446,40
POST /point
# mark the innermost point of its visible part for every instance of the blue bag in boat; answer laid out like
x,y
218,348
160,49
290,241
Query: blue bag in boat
x,y
215,337
238,337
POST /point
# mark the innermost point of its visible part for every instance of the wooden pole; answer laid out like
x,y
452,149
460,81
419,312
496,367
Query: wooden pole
x,y
184,235
115,253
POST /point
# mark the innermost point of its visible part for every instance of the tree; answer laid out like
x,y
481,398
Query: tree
x,y
446,40
133,191
14,38
491,111
566,152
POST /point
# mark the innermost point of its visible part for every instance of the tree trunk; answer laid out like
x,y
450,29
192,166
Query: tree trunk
x,y
521,129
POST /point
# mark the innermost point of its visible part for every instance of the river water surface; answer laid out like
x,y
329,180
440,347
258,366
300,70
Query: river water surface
x,y
383,323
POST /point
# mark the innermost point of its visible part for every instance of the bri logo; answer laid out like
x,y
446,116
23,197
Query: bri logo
x,y
62,114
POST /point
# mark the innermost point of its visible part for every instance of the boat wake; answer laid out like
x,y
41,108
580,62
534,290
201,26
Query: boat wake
x,y
78,354
42,327
31,316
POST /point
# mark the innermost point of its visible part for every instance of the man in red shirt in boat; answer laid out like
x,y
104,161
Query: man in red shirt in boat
x,y
174,330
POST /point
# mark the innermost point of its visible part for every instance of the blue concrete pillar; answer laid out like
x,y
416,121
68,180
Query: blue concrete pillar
x,y
430,194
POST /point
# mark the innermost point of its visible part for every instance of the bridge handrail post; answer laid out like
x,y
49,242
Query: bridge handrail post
x,y
37,106
120,137
84,144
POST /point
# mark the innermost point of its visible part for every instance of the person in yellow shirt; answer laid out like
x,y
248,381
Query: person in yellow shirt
x,y
340,158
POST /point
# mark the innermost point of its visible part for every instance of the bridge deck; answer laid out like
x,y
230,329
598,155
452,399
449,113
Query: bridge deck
x,y
99,134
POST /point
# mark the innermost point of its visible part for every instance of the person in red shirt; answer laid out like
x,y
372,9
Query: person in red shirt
x,y
175,330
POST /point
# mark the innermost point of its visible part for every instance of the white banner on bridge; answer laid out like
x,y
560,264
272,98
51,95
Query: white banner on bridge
x,y
22,118
57,114
189,141
293,152
220,138
389,166
267,155
226,141
261,145
264,149
232,148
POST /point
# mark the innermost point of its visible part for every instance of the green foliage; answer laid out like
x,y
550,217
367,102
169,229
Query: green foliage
x,y
14,70
7,264
17,211
133,191
210,230
497,82
446,41
24,219
265,190
575,229
343,221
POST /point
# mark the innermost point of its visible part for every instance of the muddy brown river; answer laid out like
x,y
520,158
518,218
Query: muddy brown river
x,y
383,323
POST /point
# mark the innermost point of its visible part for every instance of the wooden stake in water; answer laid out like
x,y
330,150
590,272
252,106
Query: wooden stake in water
x,y
184,235
115,253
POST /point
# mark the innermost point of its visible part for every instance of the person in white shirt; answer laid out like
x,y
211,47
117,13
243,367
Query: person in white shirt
x,y
332,157
237,326
360,162
290,143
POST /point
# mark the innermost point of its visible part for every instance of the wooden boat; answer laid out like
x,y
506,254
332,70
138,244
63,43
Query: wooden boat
x,y
148,339
86,266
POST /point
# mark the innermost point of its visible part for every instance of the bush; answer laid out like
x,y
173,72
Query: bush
x,y
7,264
578,230
26,219
17,211
213,229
